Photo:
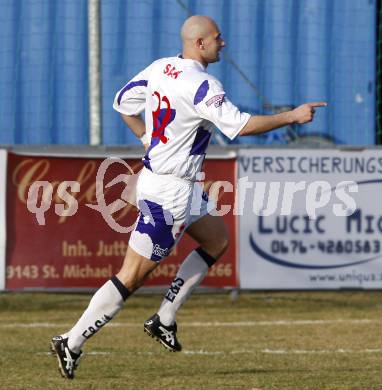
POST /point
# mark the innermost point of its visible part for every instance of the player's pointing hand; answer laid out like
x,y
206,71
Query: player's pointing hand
x,y
304,113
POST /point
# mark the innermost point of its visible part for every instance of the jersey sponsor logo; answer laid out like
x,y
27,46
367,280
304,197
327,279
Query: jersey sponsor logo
x,y
217,100
171,71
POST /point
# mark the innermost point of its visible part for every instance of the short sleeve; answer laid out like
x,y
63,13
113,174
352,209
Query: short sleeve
x,y
212,104
131,99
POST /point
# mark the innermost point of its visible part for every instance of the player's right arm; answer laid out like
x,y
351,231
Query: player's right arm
x,y
130,102
259,124
137,126
217,108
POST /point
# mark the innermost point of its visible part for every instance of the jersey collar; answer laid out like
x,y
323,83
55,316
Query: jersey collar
x,y
192,62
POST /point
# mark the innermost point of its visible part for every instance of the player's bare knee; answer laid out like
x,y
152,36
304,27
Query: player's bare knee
x,y
131,282
222,241
220,246
223,245
214,249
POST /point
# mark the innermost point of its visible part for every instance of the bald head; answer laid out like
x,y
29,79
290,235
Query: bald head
x,y
197,27
201,39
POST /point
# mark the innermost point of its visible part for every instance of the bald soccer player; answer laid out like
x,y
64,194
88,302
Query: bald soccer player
x,y
183,104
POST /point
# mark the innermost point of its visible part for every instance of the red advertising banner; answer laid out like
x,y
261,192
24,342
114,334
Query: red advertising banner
x,y
56,241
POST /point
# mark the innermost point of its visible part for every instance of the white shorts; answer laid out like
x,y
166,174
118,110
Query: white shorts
x,y
167,206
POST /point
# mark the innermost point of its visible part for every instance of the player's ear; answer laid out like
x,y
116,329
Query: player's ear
x,y
200,43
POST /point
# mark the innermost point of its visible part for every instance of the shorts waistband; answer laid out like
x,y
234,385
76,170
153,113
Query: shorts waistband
x,y
169,176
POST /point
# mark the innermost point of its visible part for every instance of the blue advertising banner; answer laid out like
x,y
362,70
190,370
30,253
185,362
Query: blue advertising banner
x,y
310,219
3,176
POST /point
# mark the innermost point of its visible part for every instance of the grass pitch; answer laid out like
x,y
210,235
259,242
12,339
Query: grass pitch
x,y
261,341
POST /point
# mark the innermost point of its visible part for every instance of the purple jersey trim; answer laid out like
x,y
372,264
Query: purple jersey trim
x,y
146,162
201,142
139,83
201,92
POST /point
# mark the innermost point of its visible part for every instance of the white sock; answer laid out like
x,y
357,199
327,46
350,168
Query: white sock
x,y
189,276
103,306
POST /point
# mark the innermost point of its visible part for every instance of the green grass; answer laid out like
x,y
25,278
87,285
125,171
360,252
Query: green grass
x,y
336,355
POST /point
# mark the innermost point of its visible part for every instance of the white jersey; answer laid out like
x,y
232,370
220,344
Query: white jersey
x,y
182,104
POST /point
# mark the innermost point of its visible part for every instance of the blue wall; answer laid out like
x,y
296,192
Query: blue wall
x,y
291,51
43,72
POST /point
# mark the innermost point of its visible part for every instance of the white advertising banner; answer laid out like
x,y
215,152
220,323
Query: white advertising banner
x,y
310,219
3,184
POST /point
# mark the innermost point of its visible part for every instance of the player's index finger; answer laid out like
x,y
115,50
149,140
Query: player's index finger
x,y
318,104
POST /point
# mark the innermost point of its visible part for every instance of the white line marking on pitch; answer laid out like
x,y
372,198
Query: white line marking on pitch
x,y
278,322
320,351
246,352
87,353
201,324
